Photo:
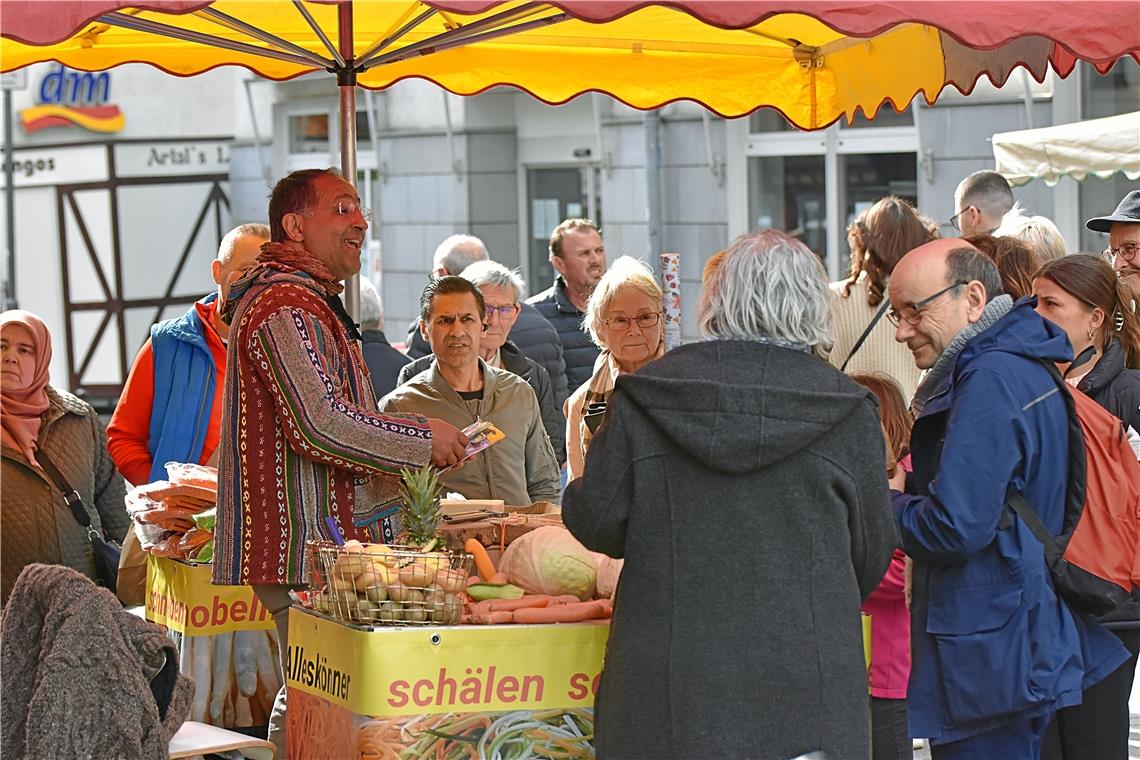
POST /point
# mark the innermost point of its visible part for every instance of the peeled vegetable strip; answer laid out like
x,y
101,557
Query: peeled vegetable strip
x,y
222,675
483,562
245,660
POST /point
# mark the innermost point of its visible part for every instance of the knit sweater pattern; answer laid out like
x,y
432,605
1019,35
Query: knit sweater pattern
x,y
301,440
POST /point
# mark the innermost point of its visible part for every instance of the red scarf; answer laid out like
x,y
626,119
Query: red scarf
x,y
293,255
22,408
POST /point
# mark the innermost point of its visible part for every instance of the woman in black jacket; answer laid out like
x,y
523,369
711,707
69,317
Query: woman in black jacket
x,y
1083,296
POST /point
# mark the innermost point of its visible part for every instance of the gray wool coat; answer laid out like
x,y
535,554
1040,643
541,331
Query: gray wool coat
x,y
84,678
745,486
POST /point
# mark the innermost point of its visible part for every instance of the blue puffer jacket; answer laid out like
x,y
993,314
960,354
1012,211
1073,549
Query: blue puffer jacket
x,y
578,349
184,380
990,640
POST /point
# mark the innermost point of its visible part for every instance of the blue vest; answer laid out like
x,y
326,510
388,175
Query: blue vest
x,y
184,380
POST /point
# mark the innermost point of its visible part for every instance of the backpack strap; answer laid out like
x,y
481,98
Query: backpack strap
x,y
870,326
1077,472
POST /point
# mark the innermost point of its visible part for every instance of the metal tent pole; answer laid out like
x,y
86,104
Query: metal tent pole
x,y
346,84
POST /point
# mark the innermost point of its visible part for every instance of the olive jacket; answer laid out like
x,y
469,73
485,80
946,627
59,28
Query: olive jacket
x,y
35,525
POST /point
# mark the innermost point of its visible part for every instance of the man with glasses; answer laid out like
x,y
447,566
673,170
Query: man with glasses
x,y
995,652
462,388
530,332
502,291
1123,228
304,453
980,202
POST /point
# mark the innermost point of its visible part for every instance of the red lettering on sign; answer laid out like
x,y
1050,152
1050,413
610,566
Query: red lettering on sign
x,y
508,689
399,692
199,616
578,690
237,611
416,691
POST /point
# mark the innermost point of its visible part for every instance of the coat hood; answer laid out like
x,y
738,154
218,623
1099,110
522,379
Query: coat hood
x,y
1023,332
740,406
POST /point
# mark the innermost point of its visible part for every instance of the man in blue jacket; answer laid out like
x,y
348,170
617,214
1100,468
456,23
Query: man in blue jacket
x,y
995,652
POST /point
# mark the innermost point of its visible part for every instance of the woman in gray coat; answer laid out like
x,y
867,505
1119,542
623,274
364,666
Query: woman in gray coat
x,y
743,480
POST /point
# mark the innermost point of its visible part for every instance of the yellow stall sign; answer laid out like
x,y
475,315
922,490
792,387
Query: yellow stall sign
x,y
181,597
430,670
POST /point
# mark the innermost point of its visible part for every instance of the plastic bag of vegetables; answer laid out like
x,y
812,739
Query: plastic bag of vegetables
x,y
548,560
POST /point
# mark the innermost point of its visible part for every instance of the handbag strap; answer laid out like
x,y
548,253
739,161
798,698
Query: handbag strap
x,y
71,497
870,326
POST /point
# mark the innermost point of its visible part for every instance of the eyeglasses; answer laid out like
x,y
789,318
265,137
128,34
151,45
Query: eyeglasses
x,y
644,321
954,219
1127,252
502,311
348,209
913,314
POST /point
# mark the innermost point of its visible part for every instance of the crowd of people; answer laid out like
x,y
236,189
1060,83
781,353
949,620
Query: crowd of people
x,y
825,449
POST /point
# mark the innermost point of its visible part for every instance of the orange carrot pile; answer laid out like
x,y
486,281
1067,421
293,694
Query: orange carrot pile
x,y
536,609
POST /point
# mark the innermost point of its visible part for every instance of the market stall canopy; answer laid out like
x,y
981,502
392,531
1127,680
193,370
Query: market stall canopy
x,y
1098,147
813,60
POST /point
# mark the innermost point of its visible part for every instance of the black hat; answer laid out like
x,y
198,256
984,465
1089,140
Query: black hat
x,y
1128,212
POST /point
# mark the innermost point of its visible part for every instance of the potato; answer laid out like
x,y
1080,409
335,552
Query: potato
x,y
415,615
386,612
417,575
371,576
452,611
348,566
433,601
376,593
398,592
366,611
452,581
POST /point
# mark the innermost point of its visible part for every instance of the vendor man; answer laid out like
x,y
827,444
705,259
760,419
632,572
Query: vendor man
x,y
461,388
305,456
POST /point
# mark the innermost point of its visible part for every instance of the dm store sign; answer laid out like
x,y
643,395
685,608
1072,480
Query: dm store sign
x,y
77,98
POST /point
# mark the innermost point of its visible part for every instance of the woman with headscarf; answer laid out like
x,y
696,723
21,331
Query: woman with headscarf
x,y
623,316
43,424
742,479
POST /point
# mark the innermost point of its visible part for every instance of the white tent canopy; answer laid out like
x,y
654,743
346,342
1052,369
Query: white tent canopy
x,y
1098,147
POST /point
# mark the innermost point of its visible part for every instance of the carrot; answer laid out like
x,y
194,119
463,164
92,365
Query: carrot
x,y
491,618
509,605
609,605
564,599
483,561
562,613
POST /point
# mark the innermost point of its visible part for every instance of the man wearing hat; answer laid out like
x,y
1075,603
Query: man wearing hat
x,y
1123,228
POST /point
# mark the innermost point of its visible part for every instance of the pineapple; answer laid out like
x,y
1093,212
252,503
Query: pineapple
x,y
421,489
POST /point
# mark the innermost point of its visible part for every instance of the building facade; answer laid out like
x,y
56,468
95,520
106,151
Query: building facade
x,y
115,230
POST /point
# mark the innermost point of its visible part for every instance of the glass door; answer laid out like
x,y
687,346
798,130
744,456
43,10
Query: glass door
x,y
554,194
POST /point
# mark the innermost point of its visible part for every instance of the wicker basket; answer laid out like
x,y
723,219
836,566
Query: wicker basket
x,y
388,585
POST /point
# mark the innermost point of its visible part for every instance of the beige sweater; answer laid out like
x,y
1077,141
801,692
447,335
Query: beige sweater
x,y
879,353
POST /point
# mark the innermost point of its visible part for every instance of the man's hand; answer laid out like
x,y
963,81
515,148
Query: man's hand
x,y
448,444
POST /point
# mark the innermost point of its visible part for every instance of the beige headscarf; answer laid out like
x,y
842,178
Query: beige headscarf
x,y
21,409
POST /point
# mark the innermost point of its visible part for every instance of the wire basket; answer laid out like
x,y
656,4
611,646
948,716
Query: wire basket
x,y
388,585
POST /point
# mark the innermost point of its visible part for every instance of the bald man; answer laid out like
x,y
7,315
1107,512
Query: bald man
x,y
994,651
171,406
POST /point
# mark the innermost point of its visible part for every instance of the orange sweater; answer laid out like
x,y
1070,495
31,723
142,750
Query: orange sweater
x,y
129,431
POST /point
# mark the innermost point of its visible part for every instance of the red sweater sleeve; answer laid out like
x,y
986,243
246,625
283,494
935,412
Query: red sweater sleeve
x,y
129,431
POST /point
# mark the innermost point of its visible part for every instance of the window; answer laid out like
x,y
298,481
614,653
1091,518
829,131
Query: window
x,y
309,133
787,193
